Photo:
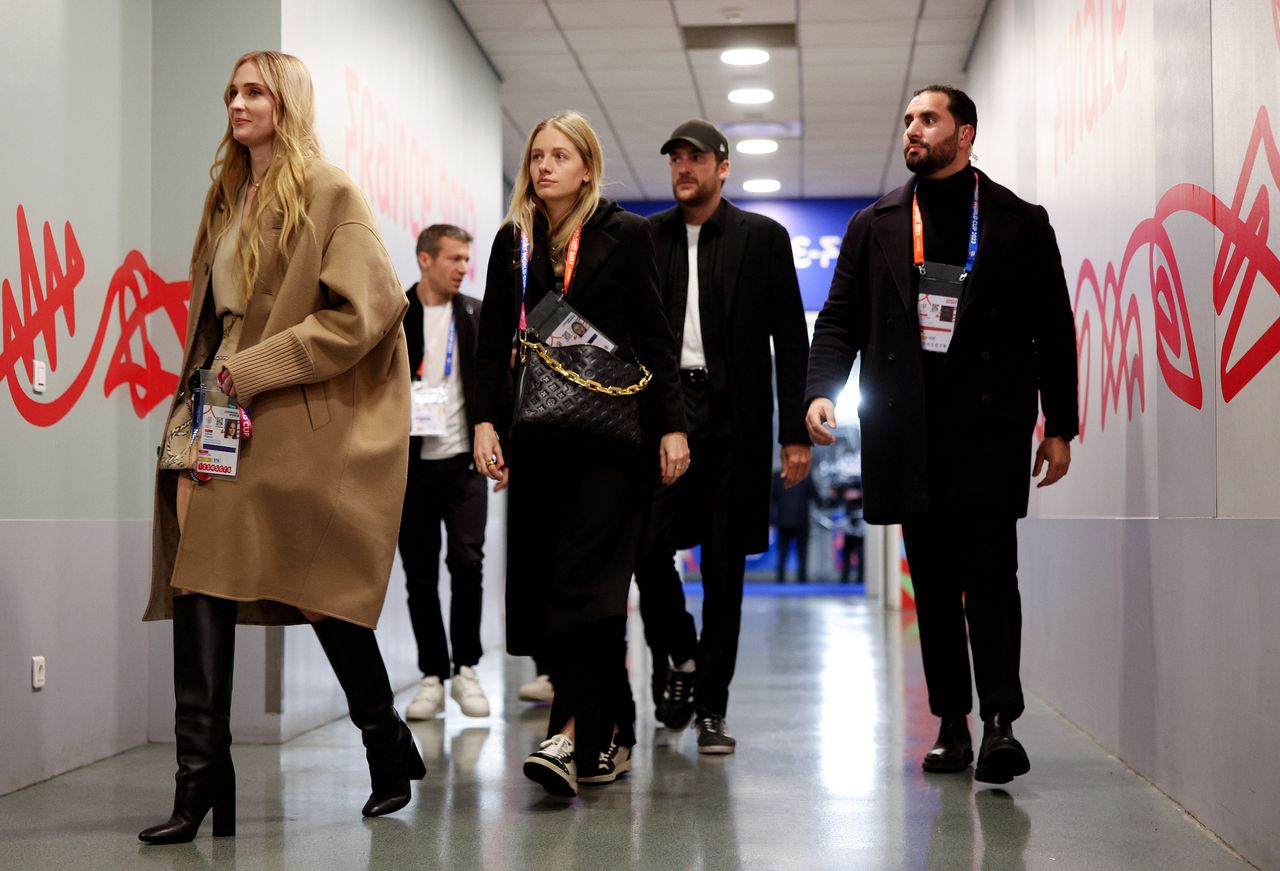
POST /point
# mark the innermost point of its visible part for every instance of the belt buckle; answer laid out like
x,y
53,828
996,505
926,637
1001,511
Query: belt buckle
x,y
695,376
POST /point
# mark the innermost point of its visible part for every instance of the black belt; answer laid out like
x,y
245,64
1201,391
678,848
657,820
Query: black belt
x,y
695,376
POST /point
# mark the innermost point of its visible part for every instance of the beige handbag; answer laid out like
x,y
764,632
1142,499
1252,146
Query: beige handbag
x,y
181,439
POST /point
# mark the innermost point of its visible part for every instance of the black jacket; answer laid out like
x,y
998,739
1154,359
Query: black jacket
x,y
466,316
1013,352
614,286
759,299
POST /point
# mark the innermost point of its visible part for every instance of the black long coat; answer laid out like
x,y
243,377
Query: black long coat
x,y
1014,344
759,300
574,509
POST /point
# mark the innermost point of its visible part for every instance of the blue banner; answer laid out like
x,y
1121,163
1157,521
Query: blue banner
x,y
816,228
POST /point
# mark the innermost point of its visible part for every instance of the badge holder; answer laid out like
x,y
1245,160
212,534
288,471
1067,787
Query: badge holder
x,y
221,424
940,287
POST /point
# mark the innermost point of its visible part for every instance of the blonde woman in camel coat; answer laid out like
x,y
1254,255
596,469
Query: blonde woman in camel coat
x,y
296,306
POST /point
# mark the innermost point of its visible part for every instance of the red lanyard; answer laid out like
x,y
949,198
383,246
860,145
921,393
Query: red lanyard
x,y
571,257
570,260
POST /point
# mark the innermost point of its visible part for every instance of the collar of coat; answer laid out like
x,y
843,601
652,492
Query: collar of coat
x,y
1000,215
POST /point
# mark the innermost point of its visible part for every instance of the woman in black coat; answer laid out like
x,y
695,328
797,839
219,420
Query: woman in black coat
x,y
576,503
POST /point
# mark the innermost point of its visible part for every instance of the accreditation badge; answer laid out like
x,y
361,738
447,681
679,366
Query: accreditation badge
x,y
937,304
221,424
427,415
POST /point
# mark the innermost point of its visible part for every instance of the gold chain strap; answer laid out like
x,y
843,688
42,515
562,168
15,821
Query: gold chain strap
x,y
570,375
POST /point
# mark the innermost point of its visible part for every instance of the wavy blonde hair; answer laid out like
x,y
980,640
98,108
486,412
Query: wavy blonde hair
x,y
525,203
284,184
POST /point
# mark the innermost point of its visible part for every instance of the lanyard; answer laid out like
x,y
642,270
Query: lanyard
x,y
448,351
917,232
570,260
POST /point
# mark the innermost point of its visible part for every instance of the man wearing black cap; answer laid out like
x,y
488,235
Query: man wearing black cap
x,y
952,289
729,286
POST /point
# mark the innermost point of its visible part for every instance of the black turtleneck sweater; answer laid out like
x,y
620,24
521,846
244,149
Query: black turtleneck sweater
x,y
946,205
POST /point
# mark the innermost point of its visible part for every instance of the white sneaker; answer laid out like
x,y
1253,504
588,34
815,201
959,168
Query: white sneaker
x,y
468,693
552,766
428,702
537,690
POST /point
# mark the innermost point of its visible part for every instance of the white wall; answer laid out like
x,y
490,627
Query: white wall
x,y
115,112
1148,574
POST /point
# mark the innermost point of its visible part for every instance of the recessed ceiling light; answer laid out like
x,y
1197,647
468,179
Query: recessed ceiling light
x,y
744,57
758,146
761,185
751,95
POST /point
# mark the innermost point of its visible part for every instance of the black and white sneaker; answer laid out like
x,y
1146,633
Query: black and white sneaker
x,y
552,766
614,761
714,737
676,709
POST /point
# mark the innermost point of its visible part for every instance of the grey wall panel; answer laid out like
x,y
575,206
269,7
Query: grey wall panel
x,y
70,591
1156,637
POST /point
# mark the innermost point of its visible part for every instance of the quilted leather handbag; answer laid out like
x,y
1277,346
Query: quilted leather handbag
x,y
580,391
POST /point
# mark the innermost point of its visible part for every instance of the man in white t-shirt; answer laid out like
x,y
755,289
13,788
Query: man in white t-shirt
x,y
728,283
443,486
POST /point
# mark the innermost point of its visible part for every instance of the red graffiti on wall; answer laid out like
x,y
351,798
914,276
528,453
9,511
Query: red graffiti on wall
x,y
1243,258
134,292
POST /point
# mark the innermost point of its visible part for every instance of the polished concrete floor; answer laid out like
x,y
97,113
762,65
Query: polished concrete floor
x,y
829,710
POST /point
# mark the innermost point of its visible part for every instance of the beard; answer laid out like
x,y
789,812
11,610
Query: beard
x,y
934,157
699,196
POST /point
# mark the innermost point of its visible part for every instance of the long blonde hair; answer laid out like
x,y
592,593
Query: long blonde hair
x,y
525,203
284,183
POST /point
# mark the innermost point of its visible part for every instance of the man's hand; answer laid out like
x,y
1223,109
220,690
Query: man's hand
x,y
795,464
1056,451
821,421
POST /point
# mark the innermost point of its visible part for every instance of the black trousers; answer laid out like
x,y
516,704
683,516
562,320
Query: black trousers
x,y
451,491
965,570
588,668
801,538
695,508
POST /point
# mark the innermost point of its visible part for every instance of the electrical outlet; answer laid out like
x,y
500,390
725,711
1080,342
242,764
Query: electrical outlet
x,y
37,672
37,377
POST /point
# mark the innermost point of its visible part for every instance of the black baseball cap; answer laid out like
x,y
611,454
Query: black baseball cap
x,y
702,135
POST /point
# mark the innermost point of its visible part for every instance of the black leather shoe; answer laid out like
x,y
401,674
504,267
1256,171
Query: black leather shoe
x,y
953,751
1001,758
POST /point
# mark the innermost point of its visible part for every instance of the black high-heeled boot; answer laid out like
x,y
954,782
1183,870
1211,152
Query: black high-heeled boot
x,y
389,747
203,654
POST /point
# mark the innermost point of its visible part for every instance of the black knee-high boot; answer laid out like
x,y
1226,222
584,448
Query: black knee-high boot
x,y
393,757
203,654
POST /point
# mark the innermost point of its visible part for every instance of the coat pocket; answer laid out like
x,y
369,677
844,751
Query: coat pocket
x,y
317,404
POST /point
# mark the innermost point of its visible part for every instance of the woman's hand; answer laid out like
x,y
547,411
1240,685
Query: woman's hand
x,y
674,455
226,382
488,455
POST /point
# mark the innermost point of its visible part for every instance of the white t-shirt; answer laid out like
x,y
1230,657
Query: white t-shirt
x,y
692,355
436,320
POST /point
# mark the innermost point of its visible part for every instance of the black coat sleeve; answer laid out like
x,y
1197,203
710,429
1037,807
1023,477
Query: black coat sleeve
x,y
499,318
842,325
655,346
1056,361
790,338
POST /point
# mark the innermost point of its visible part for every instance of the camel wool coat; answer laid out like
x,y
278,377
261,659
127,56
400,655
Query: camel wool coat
x,y
310,520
